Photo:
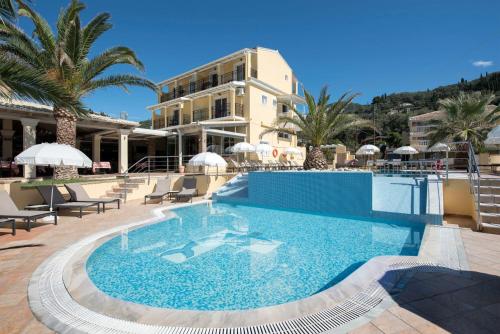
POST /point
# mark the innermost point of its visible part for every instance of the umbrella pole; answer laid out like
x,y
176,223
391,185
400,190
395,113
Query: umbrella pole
x,y
52,192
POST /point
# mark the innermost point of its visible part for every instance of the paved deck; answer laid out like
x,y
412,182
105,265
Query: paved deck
x,y
431,302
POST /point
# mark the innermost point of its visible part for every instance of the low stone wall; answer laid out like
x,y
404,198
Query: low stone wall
x,y
24,196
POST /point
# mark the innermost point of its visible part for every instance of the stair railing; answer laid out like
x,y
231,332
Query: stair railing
x,y
475,182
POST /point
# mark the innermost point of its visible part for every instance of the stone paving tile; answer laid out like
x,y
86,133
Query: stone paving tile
x,y
389,323
368,328
462,325
417,322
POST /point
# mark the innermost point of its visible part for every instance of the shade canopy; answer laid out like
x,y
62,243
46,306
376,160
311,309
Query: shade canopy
x,y
207,159
367,150
263,148
243,147
54,155
439,147
293,150
403,150
493,137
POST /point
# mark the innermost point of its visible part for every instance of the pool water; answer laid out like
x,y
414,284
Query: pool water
x,y
235,257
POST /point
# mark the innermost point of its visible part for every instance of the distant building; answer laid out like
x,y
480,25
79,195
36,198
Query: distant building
x,y
420,126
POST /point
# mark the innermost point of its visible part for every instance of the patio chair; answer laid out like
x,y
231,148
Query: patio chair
x,y
8,209
78,194
58,201
380,165
162,189
188,189
10,221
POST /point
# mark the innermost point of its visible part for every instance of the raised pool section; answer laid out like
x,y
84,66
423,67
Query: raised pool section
x,y
346,194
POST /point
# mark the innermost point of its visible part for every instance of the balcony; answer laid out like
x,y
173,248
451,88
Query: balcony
x,y
186,119
205,83
200,115
225,112
159,123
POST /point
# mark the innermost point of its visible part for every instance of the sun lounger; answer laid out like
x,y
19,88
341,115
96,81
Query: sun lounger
x,y
58,201
78,194
162,190
8,209
188,189
10,221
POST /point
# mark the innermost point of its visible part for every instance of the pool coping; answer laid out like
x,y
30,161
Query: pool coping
x,y
63,297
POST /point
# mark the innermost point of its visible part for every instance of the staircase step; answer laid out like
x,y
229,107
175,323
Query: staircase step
x,y
490,198
490,218
490,182
490,207
115,195
495,190
491,228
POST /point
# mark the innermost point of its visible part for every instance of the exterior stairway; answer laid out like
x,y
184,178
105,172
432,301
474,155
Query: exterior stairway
x,y
126,186
235,191
489,195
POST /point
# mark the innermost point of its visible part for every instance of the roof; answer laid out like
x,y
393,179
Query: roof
x,y
428,116
29,106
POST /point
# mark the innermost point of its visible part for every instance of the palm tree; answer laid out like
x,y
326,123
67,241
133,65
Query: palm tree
x,y
323,122
467,119
7,10
18,80
64,59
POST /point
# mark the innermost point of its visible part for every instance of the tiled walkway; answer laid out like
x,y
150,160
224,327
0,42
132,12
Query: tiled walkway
x,y
431,302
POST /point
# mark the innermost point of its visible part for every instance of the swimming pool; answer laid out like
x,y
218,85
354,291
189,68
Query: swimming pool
x,y
236,257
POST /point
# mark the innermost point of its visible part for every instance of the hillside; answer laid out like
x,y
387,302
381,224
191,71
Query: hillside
x,y
392,111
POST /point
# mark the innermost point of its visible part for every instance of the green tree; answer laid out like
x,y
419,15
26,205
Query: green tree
x,y
467,119
64,58
322,123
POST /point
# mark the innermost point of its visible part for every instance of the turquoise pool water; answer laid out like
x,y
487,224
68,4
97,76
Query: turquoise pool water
x,y
226,257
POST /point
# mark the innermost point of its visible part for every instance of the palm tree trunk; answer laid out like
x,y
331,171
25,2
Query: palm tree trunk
x,y
66,134
315,159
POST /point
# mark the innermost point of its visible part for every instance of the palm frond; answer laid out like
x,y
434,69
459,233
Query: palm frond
x,y
42,27
120,80
92,31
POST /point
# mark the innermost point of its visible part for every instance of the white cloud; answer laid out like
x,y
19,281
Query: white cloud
x,y
482,63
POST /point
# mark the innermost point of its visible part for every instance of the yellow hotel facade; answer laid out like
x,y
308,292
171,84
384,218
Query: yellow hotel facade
x,y
229,100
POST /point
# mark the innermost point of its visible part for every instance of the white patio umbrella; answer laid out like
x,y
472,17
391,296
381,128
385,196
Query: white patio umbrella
x,y
367,150
243,147
208,159
493,137
441,147
405,150
293,150
228,150
53,155
264,149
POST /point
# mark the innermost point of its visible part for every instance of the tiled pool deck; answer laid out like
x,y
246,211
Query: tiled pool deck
x,y
430,303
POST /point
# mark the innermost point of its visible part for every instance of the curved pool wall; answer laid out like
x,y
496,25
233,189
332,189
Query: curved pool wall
x,y
349,194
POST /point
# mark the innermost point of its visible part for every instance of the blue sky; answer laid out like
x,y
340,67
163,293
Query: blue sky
x,y
371,47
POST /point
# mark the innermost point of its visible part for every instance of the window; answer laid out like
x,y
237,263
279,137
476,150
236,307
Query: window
x,y
275,103
284,135
192,87
284,108
264,99
286,77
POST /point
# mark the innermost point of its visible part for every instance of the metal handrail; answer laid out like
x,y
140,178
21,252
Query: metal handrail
x,y
475,182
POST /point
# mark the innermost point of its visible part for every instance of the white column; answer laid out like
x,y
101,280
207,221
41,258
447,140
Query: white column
x,y
96,148
123,150
232,102
7,134
203,141
180,148
29,139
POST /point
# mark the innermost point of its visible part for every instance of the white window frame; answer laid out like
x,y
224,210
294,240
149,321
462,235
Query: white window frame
x,y
263,99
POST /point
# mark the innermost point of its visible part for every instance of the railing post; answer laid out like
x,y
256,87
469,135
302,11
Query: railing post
x,y
149,169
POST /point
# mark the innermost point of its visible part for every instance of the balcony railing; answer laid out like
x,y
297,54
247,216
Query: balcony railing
x,y
224,112
159,123
173,121
205,83
186,119
200,115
